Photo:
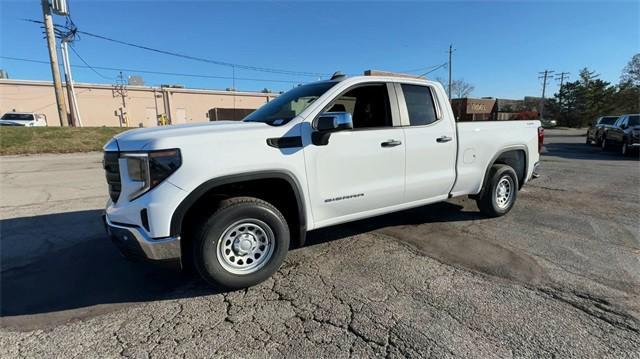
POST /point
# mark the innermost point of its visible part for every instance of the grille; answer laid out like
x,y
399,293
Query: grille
x,y
112,172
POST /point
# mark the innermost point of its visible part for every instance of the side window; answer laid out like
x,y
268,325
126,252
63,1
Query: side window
x,y
419,104
368,105
623,121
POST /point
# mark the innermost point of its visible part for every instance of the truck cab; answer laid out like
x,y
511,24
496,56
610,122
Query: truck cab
x,y
232,197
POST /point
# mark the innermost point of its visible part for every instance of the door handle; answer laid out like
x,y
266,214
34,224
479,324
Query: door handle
x,y
443,139
391,143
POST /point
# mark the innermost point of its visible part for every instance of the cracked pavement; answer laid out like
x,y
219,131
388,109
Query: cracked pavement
x,y
557,277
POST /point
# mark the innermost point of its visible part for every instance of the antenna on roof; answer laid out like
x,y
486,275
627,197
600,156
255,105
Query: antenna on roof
x,y
338,75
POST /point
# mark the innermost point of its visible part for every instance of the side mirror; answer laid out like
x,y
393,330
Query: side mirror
x,y
334,121
329,122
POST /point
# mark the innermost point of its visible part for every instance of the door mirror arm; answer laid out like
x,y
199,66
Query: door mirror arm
x,y
329,122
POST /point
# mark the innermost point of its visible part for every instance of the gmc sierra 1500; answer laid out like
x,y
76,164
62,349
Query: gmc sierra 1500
x,y
230,197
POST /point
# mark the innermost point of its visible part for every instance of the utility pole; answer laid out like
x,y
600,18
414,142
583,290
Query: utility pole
x,y
53,57
561,76
119,89
544,75
71,91
450,52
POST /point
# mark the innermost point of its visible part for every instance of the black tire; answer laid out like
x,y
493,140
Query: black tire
x,y
603,144
487,201
588,142
206,250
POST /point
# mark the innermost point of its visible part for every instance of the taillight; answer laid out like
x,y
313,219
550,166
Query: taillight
x,y
540,138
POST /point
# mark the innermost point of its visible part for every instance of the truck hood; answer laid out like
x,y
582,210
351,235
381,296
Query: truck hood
x,y
175,135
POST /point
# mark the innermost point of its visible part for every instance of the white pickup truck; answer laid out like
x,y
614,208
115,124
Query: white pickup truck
x,y
232,197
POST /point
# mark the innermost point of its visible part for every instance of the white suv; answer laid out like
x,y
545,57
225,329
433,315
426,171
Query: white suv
x,y
28,119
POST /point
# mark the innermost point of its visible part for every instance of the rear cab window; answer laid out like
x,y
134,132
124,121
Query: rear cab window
x,y
420,107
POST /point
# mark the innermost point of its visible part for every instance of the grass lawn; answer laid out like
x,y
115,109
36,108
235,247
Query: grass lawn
x,y
31,140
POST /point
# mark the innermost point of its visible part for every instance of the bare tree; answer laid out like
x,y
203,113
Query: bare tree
x,y
459,88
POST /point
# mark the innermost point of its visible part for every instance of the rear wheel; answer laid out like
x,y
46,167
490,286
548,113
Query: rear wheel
x,y
499,193
624,149
242,244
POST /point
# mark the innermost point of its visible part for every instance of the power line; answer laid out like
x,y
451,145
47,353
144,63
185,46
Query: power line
x,y
155,72
196,58
437,68
89,66
434,67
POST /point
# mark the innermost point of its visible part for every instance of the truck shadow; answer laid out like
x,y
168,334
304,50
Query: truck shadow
x,y
65,263
434,213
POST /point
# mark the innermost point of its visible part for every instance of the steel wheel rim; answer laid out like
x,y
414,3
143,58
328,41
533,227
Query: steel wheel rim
x,y
503,192
245,246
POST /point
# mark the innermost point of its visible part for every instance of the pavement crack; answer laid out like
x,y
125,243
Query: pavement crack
x,y
596,308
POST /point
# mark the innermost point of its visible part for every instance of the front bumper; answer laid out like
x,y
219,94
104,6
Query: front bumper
x,y
132,241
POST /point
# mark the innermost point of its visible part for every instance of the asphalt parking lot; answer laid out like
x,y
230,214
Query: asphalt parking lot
x,y
557,277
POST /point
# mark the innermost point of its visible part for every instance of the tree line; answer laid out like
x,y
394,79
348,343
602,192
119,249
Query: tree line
x,y
581,102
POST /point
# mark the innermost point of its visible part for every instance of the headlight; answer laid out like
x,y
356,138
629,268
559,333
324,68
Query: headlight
x,y
151,168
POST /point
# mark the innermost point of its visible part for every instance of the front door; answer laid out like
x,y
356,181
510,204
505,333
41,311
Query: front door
x,y
360,170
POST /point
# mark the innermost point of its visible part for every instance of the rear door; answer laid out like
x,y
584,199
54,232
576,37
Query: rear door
x,y
430,144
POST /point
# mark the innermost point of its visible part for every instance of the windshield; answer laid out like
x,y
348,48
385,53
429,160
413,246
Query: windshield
x,y
608,120
17,117
634,120
290,104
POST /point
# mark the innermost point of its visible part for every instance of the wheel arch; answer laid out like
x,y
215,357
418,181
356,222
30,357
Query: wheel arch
x,y
516,156
213,187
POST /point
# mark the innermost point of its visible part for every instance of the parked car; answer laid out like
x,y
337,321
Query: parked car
x,y
597,129
29,119
548,123
230,197
624,134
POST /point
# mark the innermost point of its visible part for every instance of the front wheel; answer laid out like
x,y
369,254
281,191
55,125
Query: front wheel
x,y
242,244
604,145
499,193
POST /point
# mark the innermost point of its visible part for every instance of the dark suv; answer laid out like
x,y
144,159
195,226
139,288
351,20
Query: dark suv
x,y
596,130
624,134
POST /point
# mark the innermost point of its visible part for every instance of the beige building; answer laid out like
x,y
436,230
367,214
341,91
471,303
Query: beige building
x,y
102,105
